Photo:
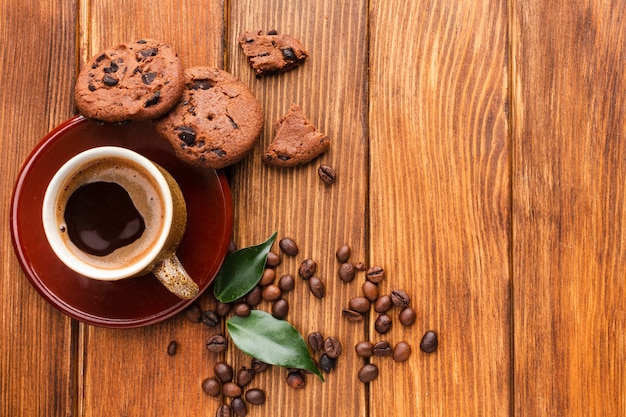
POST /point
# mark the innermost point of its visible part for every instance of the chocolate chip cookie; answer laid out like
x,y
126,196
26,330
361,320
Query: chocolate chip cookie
x,y
138,80
216,122
296,141
272,52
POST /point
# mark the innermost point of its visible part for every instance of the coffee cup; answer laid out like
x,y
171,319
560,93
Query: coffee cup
x,y
109,214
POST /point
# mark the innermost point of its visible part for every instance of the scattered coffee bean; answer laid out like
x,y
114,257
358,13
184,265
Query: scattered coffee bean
x,y
383,304
407,316
307,269
223,411
401,352
429,342
254,297
212,386
351,315
216,344
193,313
375,274
296,380
364,349
239,407
288,246
383,324
360,304
272,292
327,174
382,348
244,376
241,309
317,287
223,372
268,277
316,341
273,260
400,298
343,253
210,318
255,396
327,364
368,373
258,366
280,309
360,266
346,272
231,390
286,283
332,347
222,309
232,246
370,290
171,348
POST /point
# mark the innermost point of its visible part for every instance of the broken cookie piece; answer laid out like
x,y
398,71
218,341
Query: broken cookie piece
x,y
296,142
272,52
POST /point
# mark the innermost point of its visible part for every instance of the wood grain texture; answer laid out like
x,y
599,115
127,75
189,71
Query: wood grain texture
x,y
569,198
440,201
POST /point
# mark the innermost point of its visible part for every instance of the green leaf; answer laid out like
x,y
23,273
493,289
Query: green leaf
x,y
272,341
241,271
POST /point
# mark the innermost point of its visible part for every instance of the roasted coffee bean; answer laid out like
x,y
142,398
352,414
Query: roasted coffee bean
x,y
343,253
286,283
400,298
368,373
258,366
307,269
382,348
327,364
360,304
364,349
370,290
375,274
223,411
239,407
193,313
254,297
241,309
212,386
223,372
332,347
407,316
383,324
210,318
231,390
280,309
244,376
255,396
288,246
401,352
383,304
327,174
359,266
171,348
268,277
346,272
272,292
316,341
232,246
222,309
296,380
351,315
317,287
216,343
429,342
273,260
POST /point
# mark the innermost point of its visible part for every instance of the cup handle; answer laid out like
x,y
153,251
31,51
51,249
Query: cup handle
x,y
172,274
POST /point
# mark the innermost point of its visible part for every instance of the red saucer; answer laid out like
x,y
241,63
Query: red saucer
x,y
130,302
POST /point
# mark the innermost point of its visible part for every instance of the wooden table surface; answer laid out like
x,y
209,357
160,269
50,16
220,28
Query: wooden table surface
x,y
480,148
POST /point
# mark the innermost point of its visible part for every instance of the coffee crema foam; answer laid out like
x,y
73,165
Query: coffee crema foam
x,y
145,195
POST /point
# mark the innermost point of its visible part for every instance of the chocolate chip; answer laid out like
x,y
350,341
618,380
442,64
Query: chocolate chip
x,y
155,99
186,134
113,67
142,41
149,52
202,84
289,54
109,80
219,152
272,32
148,77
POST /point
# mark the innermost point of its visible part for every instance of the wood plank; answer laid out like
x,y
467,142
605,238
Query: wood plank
x,y
569,233
440,201
132,366
36,75
330,87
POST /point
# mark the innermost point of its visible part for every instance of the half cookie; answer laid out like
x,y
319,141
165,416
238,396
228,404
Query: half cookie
x,y
216,122
272,52
296,142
